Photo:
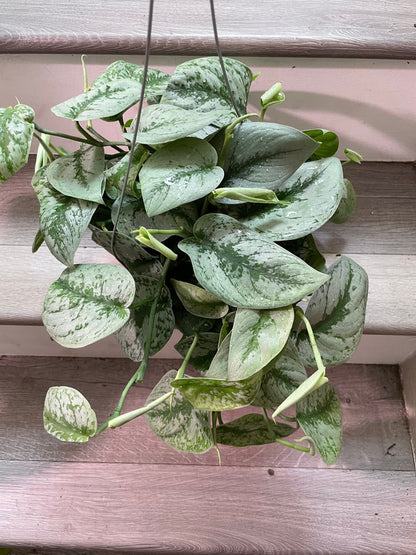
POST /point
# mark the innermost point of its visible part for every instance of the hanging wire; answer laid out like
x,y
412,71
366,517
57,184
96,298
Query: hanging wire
x,y
136,126
219,54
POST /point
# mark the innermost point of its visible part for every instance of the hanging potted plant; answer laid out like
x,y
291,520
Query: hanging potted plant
x,y
210,213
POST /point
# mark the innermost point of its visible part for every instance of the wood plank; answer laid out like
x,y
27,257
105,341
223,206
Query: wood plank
x,y
171,509
264,28
408,374
26,278
371,399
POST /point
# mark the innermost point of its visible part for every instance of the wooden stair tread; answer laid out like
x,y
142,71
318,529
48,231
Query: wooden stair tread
x,y
381,236
355,29
136,495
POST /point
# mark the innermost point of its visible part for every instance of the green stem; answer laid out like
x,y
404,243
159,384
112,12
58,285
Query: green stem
x,y
84,71
178,231
140,372
187,358
45,147
128,416
267,419
316,353
293,446
100,137
287,418
229,135
86,134
263,112
214,416
74,138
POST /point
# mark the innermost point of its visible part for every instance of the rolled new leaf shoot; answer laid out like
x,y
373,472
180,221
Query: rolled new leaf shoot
x,y
68,416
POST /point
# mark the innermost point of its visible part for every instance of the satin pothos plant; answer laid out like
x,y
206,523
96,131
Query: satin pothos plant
x,y
212,230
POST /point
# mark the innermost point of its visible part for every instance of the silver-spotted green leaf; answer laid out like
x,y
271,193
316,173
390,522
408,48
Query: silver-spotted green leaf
x,y
218,368
265,154
68,416
126,248
251,429
63,220
244,269
257,337
176,422
87,303
199,85
79,175
133,216
199,302
104,101
328,143
204,351
15,139
336,312
347,204
115,175
178,173
163,123
216,394
132,336
281,377
313,192
319,415
156,81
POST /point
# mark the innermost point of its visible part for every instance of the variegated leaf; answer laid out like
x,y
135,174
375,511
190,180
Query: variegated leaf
x,y
251,429
87,303
257,337
115,175
16,131
104,101
244,269
346,205
203,353
306,249
163,123
313,192
79,175
199,302
336,312
319,415
281,377
177,422
63,220
68,416
265,155
199,85
133,216
132,336
127,250
178,173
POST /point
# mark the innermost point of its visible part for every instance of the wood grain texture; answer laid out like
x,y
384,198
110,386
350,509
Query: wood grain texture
x,y
372,406
408,377
264,28
171,509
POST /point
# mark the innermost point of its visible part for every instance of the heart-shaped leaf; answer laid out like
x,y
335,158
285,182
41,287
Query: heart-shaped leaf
x,y
133,335
199,302
258,336
251,429
63,220
319,415
88,303
244,269
178,173
328,143
199,85
115,175
156,81
265,154
127,249
104,101
16,131
346,205
79,175
68,416
204,351
313,193
133,216
163,123
281,377
336,312
177,422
